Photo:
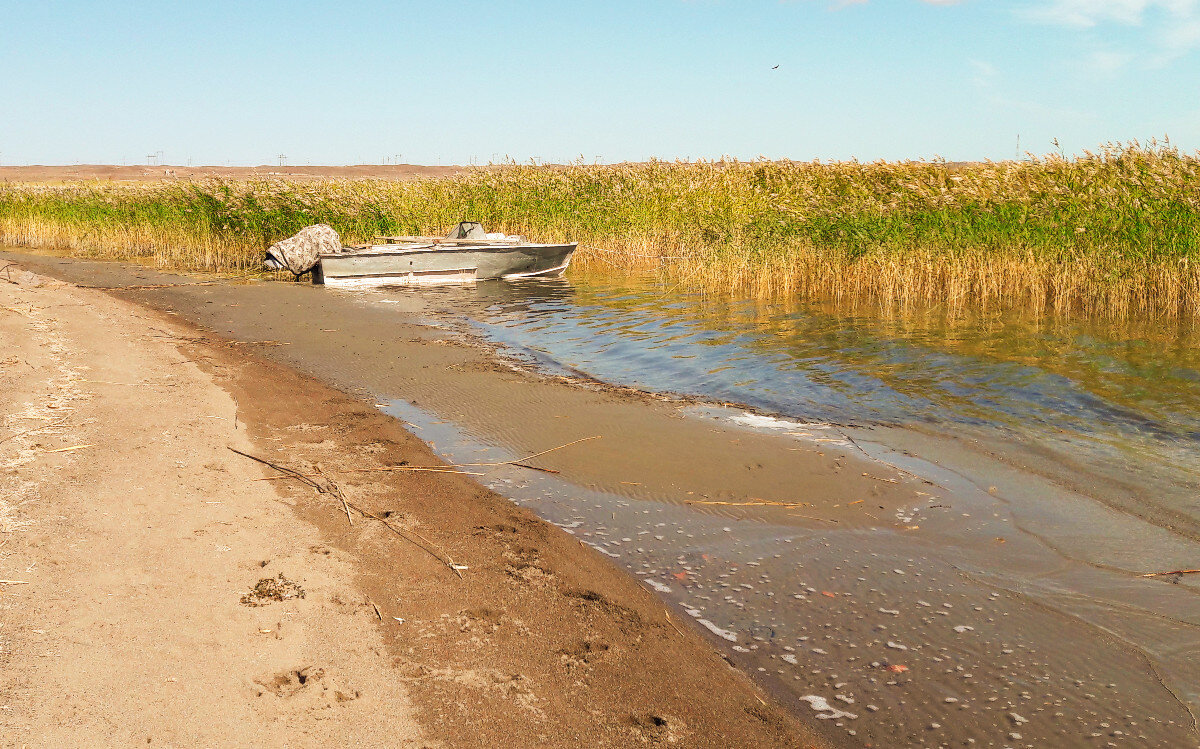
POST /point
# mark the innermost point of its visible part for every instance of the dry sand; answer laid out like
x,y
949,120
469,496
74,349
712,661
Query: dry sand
x,y
135,548
130,536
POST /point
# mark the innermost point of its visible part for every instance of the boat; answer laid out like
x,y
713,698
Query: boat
x,y
467,254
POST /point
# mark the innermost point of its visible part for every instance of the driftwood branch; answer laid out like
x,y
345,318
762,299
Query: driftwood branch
x,y
411,536
147,286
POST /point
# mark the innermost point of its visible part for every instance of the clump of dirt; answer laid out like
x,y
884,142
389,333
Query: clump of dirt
x,y
287,683
583,654
270,589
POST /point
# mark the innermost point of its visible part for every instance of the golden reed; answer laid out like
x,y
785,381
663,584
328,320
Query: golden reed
x,y
1114,234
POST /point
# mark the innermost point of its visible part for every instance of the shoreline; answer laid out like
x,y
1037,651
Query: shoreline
x,y
821,600
1051,235
542,641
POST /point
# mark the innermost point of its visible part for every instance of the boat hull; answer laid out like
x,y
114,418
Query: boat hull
x,y
388,265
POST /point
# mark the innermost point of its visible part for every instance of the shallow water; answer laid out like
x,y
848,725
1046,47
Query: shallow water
x,y
1067,456
979,581
1113,401
893,639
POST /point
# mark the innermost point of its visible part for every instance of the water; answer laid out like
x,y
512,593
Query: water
x,y
992,592
1120,400
1022,601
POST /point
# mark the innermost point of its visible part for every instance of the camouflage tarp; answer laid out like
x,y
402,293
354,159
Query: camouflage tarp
x,y
467,230
299,253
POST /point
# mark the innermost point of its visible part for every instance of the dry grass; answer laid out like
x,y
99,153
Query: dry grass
x,y
1112,234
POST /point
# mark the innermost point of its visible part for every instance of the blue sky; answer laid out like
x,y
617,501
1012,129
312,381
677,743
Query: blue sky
x,y
361,81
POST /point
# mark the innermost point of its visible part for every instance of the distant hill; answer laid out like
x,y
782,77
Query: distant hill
x,y
38,173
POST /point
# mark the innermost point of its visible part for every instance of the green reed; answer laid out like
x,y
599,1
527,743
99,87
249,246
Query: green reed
x,y
1113,233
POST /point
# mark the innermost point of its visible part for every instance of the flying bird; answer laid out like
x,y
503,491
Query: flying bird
x,y
775,68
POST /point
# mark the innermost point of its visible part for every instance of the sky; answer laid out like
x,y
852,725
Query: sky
x,y
459,81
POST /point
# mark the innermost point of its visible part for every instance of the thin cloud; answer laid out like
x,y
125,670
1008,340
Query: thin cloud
x,y
1169,28
1107,62
984,74
839,4
1090,13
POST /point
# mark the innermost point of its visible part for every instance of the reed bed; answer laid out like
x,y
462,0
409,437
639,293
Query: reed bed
x,y
1111,234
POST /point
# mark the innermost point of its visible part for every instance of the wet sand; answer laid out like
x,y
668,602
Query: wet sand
x,y
903,602
443,616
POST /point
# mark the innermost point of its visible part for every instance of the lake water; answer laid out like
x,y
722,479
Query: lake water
x,y
1118,402
1082,437
979,582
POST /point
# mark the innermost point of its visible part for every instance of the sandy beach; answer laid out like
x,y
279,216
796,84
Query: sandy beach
x,y
162,589
873,584
600,376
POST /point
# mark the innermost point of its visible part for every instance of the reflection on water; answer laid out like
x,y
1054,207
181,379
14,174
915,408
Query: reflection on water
x,y
1009,592
1119,401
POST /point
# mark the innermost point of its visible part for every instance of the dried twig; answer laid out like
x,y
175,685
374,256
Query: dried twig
x,y
147,286
880,478
1171,572
14,582
673,624
284,469
411,536
68,449
754,503
337,492
425,543
810,517
424,470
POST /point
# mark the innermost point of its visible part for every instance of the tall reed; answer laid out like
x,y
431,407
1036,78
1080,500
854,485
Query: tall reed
x,y
1113,233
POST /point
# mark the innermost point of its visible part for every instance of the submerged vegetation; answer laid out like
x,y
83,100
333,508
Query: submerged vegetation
x,y
1114,234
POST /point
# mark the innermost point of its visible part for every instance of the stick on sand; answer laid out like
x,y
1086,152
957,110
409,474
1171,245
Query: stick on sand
x,y
411,536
